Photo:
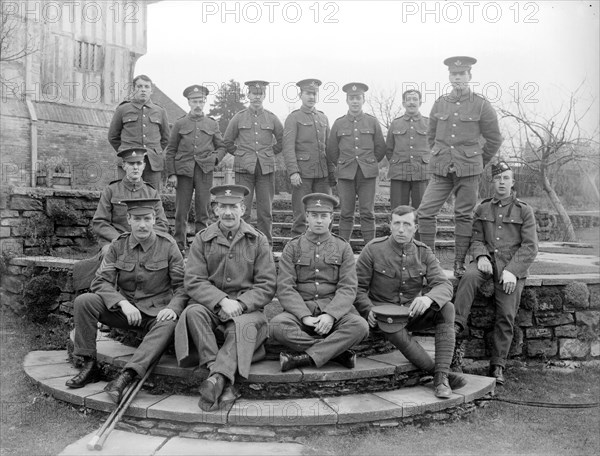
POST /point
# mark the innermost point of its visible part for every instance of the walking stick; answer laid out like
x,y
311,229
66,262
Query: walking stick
x,y
98,440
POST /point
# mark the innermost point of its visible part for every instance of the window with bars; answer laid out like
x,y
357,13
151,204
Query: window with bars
x,y
87,56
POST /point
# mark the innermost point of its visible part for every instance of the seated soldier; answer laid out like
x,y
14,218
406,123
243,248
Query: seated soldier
x,y
316,285
391,270
110,219
503,246
229,277
138,285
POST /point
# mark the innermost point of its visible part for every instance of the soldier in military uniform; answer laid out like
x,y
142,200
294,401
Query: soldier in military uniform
x,y
138,285
391,270
249,137
305,134
356,145
504,245
457,123
229,277
110,219
408,153
195,148
140,123
316,286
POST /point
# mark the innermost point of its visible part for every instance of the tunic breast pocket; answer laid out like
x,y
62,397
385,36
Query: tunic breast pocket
x,y
157,275
126,279
304,272
333,264
442,124
119,212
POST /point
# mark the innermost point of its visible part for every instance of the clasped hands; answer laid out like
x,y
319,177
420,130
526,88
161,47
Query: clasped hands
x,y
322,324
229,308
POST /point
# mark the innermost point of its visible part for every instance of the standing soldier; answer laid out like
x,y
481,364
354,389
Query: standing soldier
x,y
408,153
504,245
141,123
305,136
457,123
249,137
356,145
316,286
195,148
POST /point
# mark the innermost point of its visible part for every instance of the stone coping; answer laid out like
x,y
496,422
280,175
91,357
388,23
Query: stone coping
x,y
268,371
532,280
51,369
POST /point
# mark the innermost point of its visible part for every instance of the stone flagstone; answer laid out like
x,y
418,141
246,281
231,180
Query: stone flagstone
x,y
118,443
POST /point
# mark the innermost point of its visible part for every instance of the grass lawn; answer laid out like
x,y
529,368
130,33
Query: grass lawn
x,y
34,424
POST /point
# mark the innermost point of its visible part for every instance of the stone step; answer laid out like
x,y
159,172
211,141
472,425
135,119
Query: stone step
x,y
283,229
287,216
50,370
279,243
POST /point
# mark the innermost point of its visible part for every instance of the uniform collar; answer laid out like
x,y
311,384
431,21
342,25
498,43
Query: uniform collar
x,y
505,201
308,110
314,238
416,117
256,112
462,95
145,244
193,116
402,248
139,105
352,118
133,186
214,230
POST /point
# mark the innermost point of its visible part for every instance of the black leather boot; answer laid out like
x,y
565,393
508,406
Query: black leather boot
x,y
441,385
456,381
116,387
289,361
90,373
346,359
210,391
497,372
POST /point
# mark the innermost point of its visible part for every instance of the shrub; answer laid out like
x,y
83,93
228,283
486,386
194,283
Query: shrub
x,y
40,297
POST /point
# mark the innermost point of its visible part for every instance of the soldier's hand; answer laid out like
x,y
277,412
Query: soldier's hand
x,y
166,314
134,317
309,321
324,324
230,308
172,180
419,305
332,180
371,319
484,265
508,281
296,180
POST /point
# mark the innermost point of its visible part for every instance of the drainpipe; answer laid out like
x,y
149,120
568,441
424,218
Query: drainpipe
x,y
34,142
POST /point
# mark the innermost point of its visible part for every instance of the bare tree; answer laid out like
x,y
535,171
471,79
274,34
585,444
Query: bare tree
x,y
385,105
544,145
15,43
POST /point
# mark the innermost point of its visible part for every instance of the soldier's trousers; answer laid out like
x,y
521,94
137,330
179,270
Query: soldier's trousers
x,y
264,186
242,340
365,189
317,185
404,193
89,309
439,189
506,305
443,321
200,185
346,332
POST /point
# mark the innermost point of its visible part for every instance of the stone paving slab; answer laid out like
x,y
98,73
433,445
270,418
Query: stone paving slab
x,y
138,408
185,409
285,412
179,446
41,357
56,387
363,407
119,443
476,387
109,349
420,399
270,371
46,371
364,368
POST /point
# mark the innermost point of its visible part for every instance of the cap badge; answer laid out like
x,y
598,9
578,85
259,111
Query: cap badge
x,y
458,63
227,192
313,84
353,87
257,85
133,154
390,320
318,203
195,89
